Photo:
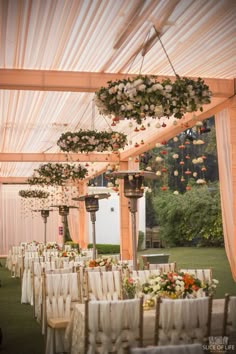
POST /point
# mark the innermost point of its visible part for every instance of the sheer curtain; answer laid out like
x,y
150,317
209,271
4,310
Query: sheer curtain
x,y
73,224
223,123
16,226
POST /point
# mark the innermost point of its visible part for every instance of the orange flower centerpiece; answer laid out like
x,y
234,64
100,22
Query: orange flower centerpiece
x,y
176,285
71,254
101,262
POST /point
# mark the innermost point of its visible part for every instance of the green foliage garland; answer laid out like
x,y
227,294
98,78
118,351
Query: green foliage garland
x,y
33,193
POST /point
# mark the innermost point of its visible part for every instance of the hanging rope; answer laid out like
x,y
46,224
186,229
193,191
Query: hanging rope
x,y
158,36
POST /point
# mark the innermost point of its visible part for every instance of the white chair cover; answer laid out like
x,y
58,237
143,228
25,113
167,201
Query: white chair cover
x,y
183,319
170,349
232,312
119,320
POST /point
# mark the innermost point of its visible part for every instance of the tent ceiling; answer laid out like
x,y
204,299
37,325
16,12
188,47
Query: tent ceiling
x,y
54,54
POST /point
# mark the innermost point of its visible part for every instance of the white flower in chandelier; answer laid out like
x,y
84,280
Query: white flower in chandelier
x,y
176,173
199,142
158,173
141,88
200,160
176,192
168,88
158,110
129,106
138,82
199,124
158,125
113,89
121,86
200,181
175,156
156,87
194,174
159,159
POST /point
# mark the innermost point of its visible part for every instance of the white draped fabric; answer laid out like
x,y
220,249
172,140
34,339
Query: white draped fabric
x,y
73,224
182,320
104,285
119,321
232,312
143,275
224,123
17,226
170,349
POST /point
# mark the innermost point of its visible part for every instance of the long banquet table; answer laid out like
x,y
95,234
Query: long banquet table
x,y
74,335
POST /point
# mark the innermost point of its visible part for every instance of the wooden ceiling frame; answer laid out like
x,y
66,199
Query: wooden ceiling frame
x,y
47,80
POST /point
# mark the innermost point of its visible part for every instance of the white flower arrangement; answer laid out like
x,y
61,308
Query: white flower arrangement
x,y
144,96
91,140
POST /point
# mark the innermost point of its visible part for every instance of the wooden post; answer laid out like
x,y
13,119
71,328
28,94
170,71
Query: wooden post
x,y
83,217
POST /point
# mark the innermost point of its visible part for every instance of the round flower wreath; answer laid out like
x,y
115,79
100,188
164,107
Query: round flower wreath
x,y
34,193
144,96
91,140
57,174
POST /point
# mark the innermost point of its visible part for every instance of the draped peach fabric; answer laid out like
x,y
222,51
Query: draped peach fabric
x,y
225,123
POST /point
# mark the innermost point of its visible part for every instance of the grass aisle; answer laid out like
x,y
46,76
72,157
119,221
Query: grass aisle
x,y
21,332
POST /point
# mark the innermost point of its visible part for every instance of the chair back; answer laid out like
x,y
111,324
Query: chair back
x,y
143,275
183,321
229,319
60,291
103,285
163,267
113,326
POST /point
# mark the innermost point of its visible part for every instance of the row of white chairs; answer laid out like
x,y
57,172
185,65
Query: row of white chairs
x,y
117,326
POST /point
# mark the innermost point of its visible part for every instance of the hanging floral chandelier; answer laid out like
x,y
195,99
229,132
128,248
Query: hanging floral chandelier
x,y
57,174
144,96
91,140
34,193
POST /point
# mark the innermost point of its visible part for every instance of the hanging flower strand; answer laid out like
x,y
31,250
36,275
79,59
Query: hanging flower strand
x,y
144,96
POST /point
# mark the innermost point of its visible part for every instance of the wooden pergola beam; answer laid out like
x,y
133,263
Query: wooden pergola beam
x,y
58,157
52,80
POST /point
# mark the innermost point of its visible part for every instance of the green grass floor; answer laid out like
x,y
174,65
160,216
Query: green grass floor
x,y
21,333
193,257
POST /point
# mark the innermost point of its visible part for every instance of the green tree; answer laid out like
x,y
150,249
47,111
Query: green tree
x,y
190,218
